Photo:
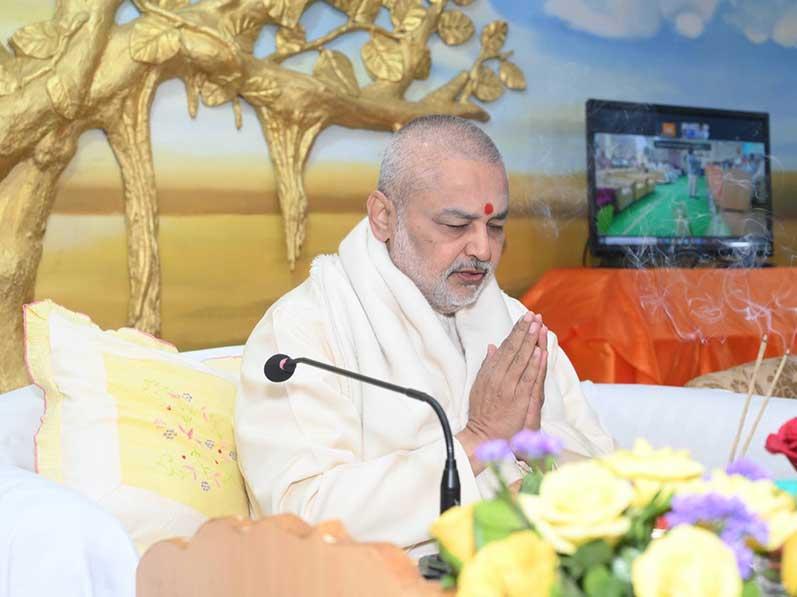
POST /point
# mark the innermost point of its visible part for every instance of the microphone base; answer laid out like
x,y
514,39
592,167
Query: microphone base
x,y
433,567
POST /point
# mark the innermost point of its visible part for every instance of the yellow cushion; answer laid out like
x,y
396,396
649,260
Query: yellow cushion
x,y
131,423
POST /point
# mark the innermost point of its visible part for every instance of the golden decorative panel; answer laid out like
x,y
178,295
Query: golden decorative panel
x,y
81,70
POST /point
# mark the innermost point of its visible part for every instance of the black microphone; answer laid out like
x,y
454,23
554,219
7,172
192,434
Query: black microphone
x,y
281,367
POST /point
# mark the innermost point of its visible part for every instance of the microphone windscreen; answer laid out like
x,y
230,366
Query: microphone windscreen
x,y
279,367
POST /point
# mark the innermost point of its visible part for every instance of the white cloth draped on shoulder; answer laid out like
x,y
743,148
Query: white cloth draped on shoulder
x,y
323,446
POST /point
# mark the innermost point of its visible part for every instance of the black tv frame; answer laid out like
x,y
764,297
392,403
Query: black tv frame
x,y
714,248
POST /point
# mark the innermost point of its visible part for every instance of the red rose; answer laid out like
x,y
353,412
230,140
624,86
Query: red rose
x,y
785,441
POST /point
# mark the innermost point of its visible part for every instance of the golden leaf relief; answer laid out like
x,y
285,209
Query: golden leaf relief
x,y
366,10
494,36
424,66
290,41
488,85
511,75
199,47
383,59
214,94
8,80
63,96
346,6
260,91
455,27
334,69
399,9
154,41
244,29
413,19
285,12
39,40
6,57
171,4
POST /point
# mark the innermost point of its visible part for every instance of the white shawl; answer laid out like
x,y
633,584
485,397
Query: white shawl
x,y
324,446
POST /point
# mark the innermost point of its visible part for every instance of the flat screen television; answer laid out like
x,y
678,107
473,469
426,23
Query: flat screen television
x,y
668,180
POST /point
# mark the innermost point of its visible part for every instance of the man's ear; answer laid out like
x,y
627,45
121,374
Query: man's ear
x,y
380,215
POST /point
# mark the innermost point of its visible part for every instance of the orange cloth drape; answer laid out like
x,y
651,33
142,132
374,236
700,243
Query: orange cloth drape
x,y
666,326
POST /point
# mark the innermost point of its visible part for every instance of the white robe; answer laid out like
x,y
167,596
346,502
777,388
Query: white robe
x,y
323,446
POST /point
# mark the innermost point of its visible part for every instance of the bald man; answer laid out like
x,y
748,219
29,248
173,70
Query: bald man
x,y
410,297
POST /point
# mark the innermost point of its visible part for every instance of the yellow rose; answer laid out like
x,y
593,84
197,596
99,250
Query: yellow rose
x,y
688,561
652,471
789,565
454,531
577,503
520,565
762,497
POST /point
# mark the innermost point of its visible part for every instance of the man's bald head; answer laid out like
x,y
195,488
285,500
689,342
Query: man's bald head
x,y
410,159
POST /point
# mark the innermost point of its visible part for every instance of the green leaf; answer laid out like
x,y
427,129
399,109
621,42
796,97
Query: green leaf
x,y
448,582
594,553
494,520
566,587
449,558
621,565
750,589
643,520
571,566
531,483
600,583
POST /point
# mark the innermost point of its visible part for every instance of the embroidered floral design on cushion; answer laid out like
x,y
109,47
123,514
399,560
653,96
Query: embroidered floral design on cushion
x,y
175,433
737,378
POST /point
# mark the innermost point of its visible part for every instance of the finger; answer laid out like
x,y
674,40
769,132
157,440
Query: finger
x,y
522,359
542,340
538,391
484,373
530,375
510,346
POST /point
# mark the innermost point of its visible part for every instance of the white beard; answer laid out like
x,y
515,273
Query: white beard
x,y
435,290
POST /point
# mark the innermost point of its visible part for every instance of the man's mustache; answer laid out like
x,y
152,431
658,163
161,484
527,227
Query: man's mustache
x,y
484,267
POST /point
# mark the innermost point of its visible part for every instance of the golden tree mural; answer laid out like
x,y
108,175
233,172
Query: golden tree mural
x,y
81,71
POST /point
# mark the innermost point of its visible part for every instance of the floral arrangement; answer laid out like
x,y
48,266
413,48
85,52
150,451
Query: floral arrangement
x,y
646,522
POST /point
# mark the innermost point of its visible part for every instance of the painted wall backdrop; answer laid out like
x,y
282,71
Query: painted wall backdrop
x,y
221,238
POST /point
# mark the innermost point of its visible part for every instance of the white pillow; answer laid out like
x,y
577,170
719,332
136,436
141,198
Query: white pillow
x,y
21,411
701,420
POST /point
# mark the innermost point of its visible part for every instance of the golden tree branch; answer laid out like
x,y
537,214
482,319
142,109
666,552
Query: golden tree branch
x,y
473,75
147,8
63,45
319,42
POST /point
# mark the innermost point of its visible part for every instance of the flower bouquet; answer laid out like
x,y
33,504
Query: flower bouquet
x,y
646,522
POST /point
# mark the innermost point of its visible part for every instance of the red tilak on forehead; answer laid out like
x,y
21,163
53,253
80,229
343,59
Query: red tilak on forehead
x,y
488,208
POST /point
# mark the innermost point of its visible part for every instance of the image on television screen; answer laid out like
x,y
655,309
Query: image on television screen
x,y
647,186
677,176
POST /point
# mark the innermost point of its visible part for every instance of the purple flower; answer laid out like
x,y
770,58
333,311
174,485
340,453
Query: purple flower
x,y
493,450
726,516
533,445
747,468
744,558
